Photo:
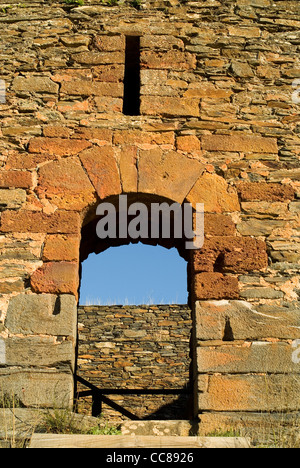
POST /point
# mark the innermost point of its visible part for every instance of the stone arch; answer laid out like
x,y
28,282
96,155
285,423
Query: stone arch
x,y
72,185
131,347
91,243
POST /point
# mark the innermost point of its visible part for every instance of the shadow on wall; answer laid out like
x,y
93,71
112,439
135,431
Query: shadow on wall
x,y
136,406
179,408
135,360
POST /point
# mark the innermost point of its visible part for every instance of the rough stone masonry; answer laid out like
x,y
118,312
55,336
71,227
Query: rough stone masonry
x,y
136,347
215,124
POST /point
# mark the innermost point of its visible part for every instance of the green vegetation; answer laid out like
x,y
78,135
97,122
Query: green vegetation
x,y
64,421
74,2
60,421
134,3
10,401
106,430
225,433
6,8
110,2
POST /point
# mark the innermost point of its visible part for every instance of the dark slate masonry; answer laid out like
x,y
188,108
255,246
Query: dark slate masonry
x,y
136,347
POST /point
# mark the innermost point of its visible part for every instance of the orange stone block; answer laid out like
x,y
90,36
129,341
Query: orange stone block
x,y
64,222
235,254
188,143
109,73
262,191
239,143
218,225
56,278
55,131
109,43
170,106
15,179
101,166
57,146
66,184
93,133
61,247
172,60
128,168
167,173
215,286
255,392
139,137
250,255
92,88
215,193
27,160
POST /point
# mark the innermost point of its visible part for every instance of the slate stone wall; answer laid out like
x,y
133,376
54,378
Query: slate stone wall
x,y
146,347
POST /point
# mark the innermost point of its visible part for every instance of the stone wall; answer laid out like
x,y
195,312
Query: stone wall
x,y
137,348
216,125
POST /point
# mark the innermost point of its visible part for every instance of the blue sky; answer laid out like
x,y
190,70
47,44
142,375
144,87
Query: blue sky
x,y
134,274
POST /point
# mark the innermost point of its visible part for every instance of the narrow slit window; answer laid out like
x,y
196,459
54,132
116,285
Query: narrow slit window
x,y
131,104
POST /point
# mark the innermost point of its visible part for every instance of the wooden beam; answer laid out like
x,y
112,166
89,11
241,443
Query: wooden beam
x,y
96,441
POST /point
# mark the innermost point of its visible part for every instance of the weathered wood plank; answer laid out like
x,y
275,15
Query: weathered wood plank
x,y
96,441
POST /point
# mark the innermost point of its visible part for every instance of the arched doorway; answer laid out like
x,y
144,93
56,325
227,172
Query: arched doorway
x,y
138,355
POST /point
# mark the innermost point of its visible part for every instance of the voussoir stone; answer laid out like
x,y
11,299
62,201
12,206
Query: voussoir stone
x,y
66,184
215,193
158,174
102,169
